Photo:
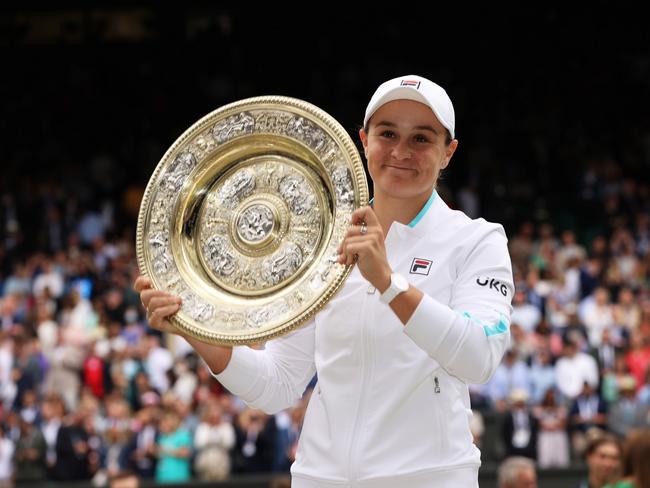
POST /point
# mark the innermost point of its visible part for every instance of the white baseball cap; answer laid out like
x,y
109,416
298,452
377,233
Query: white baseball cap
x,y
413,87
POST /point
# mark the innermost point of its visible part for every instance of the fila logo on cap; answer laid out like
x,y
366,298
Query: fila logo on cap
x,y
414,83
421,266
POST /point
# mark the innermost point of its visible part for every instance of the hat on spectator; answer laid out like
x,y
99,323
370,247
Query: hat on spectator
x,y
413,87
518,395
627,383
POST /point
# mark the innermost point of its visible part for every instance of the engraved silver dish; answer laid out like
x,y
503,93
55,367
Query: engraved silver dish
x,y
243,216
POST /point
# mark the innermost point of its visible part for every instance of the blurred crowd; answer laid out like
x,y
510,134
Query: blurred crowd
x,y
88,391
579,362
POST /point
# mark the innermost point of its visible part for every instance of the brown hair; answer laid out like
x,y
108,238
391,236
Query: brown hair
x,y
599,440
637,456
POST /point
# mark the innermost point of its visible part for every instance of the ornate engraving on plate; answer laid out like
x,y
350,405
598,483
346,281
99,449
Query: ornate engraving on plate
x,y
255,223
243,216
272,229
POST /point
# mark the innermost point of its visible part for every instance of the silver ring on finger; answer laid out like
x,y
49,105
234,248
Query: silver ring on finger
x,y
364,229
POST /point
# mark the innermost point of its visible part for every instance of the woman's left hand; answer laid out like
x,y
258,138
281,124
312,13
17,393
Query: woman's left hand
x,y
363,245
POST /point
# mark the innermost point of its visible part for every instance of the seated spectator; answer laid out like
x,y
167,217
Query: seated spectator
x,y
553,442
73,452
635,460
511,374
173,449
597,315
637,358
627,312
517,472
255,441
603,456
542,375
627,414
7,448
143,442
525,314
573,370
520,427
588,413
30,453
611,380
213,441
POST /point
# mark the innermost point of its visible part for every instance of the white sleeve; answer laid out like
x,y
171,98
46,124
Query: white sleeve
x,y
469,337
272,379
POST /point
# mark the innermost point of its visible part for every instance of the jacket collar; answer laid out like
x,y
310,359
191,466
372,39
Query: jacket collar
x,y
425,220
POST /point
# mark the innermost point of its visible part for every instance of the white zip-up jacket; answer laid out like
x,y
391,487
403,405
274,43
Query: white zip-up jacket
x,y
391,407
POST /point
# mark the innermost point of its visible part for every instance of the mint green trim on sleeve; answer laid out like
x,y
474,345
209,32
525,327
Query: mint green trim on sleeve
x,y
490,329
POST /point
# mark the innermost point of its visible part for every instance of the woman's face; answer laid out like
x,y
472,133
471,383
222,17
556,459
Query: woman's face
x,y
405,148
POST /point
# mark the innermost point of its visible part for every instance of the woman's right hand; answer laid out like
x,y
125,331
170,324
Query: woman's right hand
x,y
158,304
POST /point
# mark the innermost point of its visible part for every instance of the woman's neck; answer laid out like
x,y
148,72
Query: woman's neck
x,y
390,209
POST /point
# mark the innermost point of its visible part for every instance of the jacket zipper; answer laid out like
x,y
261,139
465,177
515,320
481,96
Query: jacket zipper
x,y
353,468
436,389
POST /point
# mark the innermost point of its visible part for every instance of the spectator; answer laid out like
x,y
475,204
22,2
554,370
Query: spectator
x,y
511,374
542,375
73,450
143,442
607,352
627,312
49,281
520,427
517,472
588,413
174,449
636,456
525,314
552,443
255,434
157,363
52,411
521,246
627,414
569,250
573,370
603,456
597,316
637,358
213,441
7,448
30,453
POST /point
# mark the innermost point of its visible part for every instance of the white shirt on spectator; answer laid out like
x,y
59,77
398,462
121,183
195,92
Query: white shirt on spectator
x,y
596,319
527,316
52,280
157,364
571,373
6,457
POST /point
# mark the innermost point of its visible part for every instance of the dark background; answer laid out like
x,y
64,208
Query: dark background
x,y
93,93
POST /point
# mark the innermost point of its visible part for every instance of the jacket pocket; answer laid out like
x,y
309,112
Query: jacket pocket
x,y
443,394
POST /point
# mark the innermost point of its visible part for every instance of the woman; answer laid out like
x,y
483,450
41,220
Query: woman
x,y
213,440
173,449
393,354
635,461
